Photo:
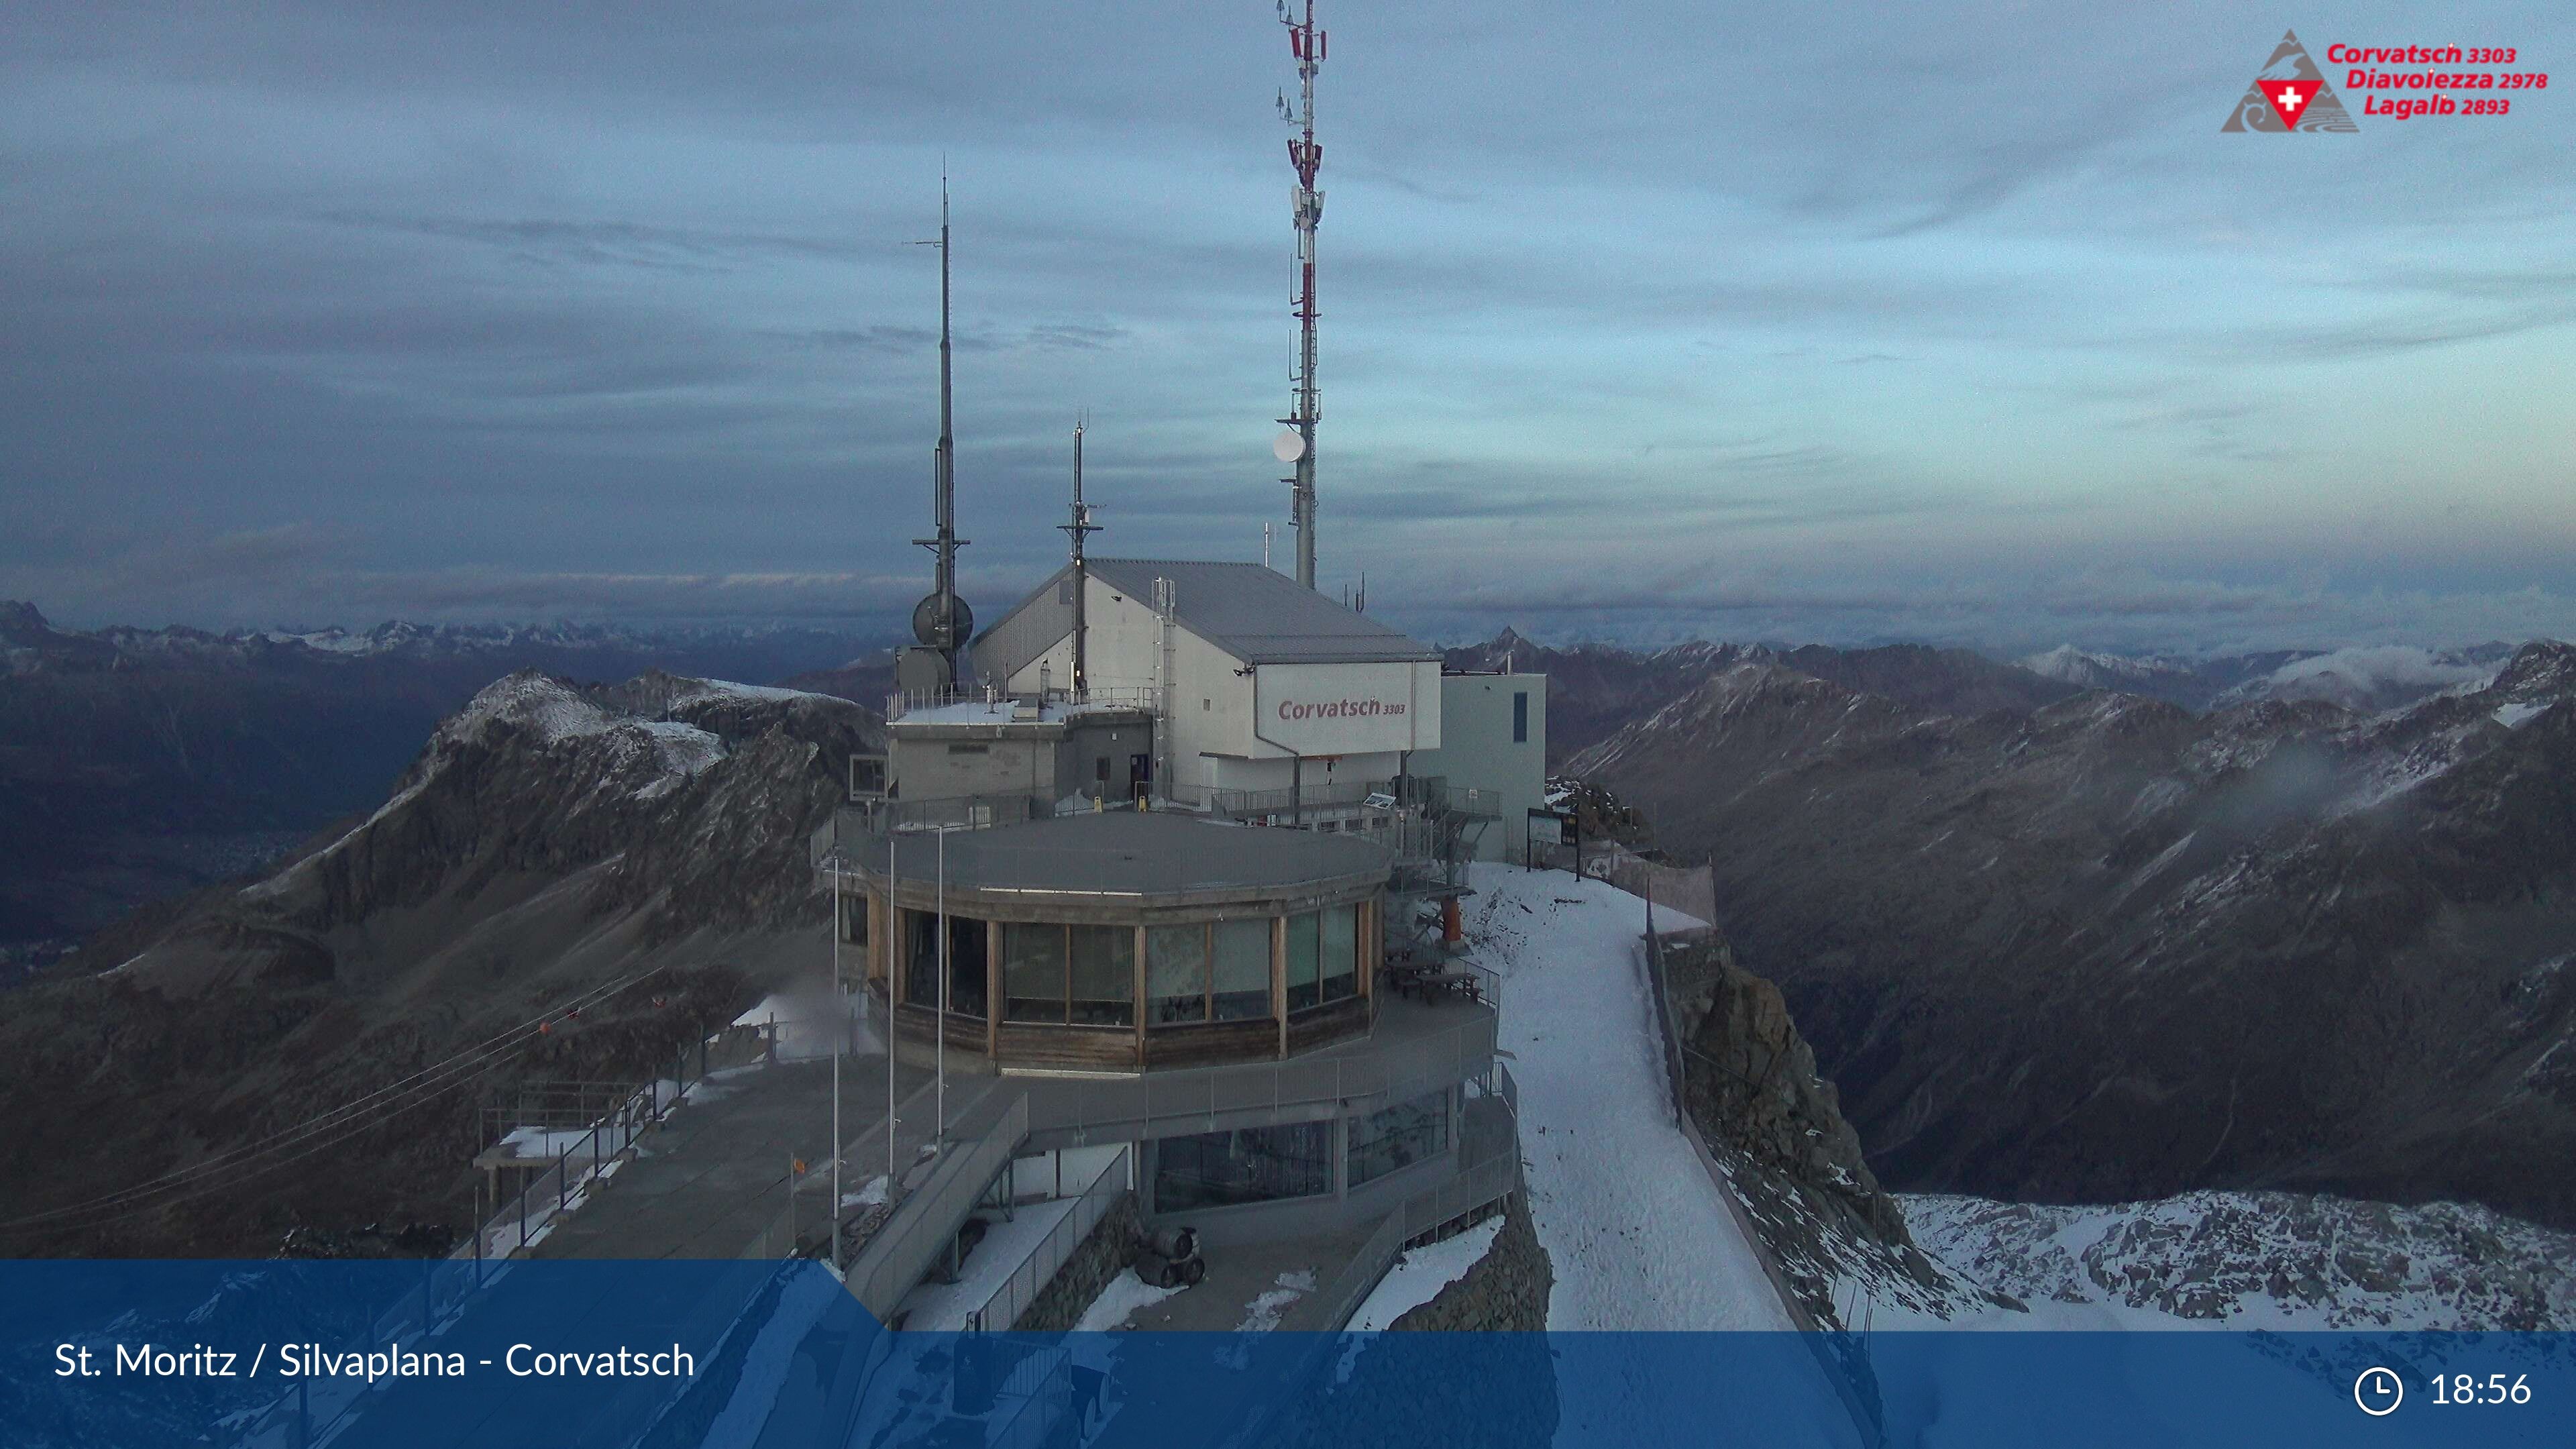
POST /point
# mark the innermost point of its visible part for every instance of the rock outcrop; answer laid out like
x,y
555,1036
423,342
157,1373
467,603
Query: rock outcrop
x,y
639,850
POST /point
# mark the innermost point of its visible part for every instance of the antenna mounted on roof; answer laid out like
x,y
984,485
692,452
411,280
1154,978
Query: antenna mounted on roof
x,y
1297,445
941,621
1077,529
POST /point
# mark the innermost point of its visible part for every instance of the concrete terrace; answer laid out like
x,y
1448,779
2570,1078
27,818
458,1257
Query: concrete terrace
x,y
714,1178
714,1181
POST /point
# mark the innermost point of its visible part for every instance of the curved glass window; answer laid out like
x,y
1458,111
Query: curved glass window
x,y
1176,974
1341,952
1033,972
1104,976
1304,938
1242,969
1057,974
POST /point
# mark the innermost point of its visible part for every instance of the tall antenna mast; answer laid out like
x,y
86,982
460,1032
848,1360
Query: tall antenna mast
x,y
1298,446
1080,526
942,622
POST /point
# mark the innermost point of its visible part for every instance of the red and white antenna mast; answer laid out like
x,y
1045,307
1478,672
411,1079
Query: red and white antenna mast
x,y
1298,445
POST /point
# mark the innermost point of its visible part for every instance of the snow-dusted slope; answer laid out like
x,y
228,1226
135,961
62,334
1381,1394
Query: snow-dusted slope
x,y
2254,1260
1634,1229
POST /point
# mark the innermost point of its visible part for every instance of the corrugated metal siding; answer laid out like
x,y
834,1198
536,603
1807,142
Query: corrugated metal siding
x,y
1027,631
1257,614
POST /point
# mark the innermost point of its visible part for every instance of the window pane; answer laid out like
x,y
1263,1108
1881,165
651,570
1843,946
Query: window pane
x,y
1176,973
1401,1135
966,963
1104,975
1242,970
1257,1164
1301,961
1341,952
1033,972
921,963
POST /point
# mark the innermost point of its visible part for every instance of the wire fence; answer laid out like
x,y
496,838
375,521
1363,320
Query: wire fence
x,y
1013,1297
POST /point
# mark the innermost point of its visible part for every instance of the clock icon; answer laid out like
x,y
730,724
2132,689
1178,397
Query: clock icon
x,y
2378,1391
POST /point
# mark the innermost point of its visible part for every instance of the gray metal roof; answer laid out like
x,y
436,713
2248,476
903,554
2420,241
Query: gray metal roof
x,y
1249,610
1132,853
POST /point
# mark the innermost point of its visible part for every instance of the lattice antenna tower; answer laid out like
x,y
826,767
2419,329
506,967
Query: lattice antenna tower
x,y
1297,445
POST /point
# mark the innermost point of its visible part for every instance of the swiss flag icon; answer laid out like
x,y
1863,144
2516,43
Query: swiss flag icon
x,y
2289,98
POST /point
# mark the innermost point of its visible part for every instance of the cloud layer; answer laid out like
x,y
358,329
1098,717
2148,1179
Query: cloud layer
x,y
1664,318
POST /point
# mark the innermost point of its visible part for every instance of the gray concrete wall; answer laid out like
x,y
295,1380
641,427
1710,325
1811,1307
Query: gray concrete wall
x,y
1094,753
946,769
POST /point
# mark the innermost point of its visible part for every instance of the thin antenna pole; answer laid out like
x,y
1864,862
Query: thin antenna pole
x,y
949,623
1078,529
1307,44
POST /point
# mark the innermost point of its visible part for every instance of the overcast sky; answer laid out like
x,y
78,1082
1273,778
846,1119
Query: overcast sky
x,y
1958,322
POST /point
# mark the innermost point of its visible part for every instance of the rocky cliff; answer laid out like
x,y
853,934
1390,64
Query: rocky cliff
x,y
551,844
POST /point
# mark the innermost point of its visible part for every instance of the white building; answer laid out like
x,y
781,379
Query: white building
x,y
1492,754
1261,685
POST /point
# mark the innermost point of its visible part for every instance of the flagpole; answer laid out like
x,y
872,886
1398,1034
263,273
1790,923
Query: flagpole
x,y
840,1038
939,1039
893,944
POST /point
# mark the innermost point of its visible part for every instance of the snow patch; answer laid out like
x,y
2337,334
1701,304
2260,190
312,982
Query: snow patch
x,y
1631,1222
1262,1314
1421,1273
1125,1297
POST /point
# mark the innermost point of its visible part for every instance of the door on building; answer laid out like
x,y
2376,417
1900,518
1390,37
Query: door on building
x,y
1140,775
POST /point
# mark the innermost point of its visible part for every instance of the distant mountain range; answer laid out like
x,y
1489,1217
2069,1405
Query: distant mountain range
x,y
2104,949
135,763
1594,690
2367,679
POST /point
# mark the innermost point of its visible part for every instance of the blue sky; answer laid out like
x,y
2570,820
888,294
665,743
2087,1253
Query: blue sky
x,y
1951,322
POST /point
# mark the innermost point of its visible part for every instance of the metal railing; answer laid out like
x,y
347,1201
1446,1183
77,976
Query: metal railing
x,y
1842,1359
1042,1382
1001,1311
1489,1180
553,1106
561,1187
1123,1108
1112,696
924,1225
1281,805
315,1408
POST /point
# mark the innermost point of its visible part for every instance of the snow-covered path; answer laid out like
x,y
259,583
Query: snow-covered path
x,y
1634,1229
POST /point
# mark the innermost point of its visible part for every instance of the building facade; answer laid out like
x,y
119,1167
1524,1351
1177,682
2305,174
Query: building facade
x,y
1260,685
1493,754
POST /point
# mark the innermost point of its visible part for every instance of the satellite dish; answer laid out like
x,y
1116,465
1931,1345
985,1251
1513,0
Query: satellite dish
x,y
936,627
1288,446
